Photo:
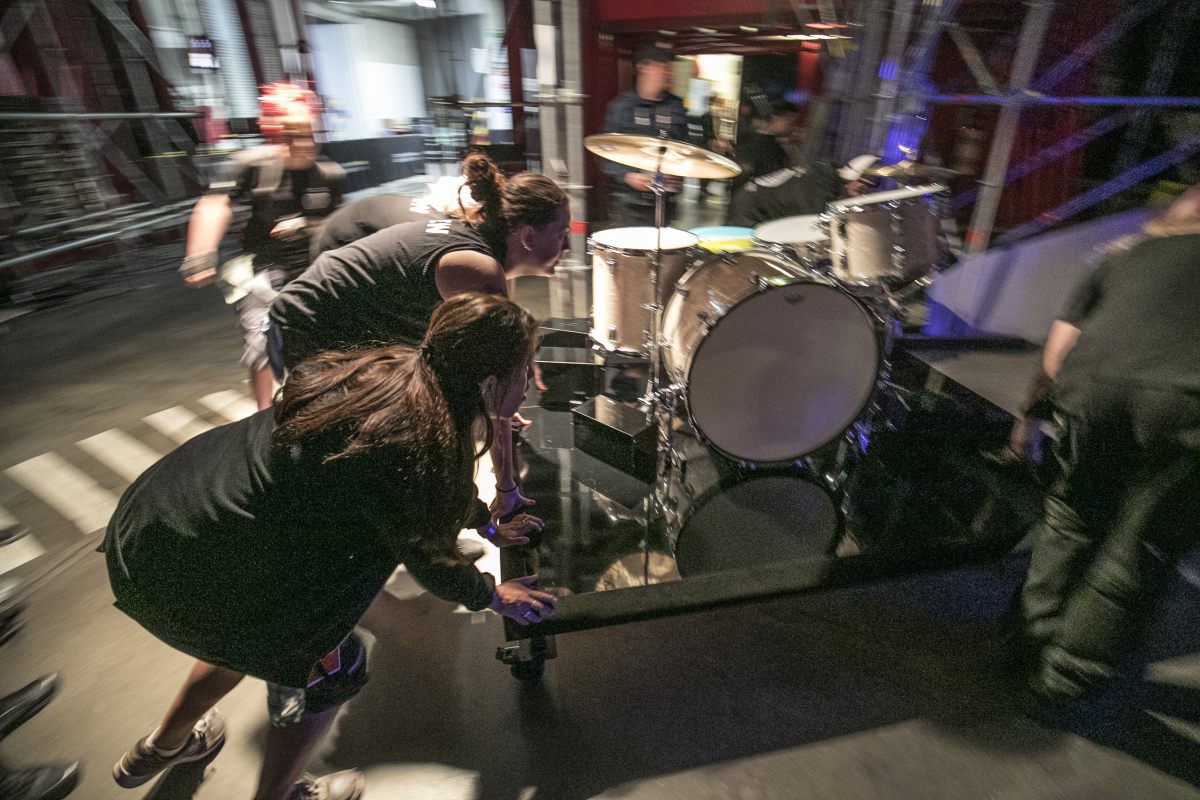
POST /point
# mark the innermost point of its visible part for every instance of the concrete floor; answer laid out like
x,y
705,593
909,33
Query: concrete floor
x,y
882,691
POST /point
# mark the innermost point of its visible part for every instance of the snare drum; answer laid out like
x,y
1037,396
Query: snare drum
x,y
774,362
890,238
804,237
725,238
621,281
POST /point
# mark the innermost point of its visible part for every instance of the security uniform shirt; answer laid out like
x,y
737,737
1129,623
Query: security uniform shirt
x,y
258,178
1139,317
630,113
379,290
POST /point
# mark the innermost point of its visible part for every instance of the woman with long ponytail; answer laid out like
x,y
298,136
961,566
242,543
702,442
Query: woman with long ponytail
x,y
255,547
381,289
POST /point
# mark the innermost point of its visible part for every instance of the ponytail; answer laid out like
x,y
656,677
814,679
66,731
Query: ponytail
x,y
507,203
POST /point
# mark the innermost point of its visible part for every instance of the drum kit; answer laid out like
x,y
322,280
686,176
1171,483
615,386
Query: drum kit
x,y
772,342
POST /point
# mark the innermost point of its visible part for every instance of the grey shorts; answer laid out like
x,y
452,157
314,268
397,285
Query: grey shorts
x,y
254,316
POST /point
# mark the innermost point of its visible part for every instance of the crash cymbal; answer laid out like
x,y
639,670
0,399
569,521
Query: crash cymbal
x,y
910,170
679,159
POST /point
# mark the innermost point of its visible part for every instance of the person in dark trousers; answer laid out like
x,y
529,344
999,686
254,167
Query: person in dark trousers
x,y
290,188
383,288
256,547
649,110
1121,374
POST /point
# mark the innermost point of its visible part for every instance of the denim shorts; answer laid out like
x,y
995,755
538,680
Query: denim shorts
x,y
287,704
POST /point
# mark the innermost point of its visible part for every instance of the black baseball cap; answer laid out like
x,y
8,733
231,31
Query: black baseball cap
x,y
655,53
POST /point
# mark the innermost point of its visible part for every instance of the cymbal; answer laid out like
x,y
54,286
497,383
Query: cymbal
x,y
679,159
910,170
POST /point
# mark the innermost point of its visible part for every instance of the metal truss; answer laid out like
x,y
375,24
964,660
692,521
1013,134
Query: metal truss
x,y
903,94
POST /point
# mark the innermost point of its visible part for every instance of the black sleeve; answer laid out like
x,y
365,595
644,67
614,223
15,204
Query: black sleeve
x,y
1085,297
458,583
394,514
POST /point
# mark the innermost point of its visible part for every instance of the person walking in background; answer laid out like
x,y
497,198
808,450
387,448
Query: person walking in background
x,y
1121,377
290,188
649,110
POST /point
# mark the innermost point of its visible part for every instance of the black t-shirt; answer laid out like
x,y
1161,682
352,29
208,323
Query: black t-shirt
x,y
1139,317
258,178
786,193
262,558
369,215
378,290
758,154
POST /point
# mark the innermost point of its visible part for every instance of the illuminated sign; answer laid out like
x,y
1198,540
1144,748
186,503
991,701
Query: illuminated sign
x,y
201,53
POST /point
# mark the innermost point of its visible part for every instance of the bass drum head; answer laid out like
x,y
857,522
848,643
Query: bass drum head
x,y
762,520
783,372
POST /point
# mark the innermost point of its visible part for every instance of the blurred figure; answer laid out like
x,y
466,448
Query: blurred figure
x,y
785,193
711,138
770,147
855,181
290,189
46,782
384,287
256,547
649,110
1121,377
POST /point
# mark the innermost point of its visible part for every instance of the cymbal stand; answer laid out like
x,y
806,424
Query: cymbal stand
x,y
660,217
653,402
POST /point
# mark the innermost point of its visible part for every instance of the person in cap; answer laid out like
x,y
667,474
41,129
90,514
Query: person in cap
x,y
290,189
649,110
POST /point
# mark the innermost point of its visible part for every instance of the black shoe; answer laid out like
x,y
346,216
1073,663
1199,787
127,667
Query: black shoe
x,y
11,532
49,782
22,704
10,626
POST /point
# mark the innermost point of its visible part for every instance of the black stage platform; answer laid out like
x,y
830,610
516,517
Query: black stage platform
x,y
927,494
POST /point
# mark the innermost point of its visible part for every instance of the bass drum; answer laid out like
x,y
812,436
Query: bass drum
x,y
763,519
774,362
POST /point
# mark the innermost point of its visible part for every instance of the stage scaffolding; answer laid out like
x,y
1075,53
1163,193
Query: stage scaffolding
x,y
892,96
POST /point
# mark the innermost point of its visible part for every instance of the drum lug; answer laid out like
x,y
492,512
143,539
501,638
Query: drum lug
x,y
760,283
612,333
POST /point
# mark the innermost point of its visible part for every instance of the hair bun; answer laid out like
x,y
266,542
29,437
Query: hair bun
x,y
483,178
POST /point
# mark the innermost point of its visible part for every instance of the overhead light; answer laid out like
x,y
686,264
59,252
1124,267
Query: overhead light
x,y
426,3
708,31
748,29
667,33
